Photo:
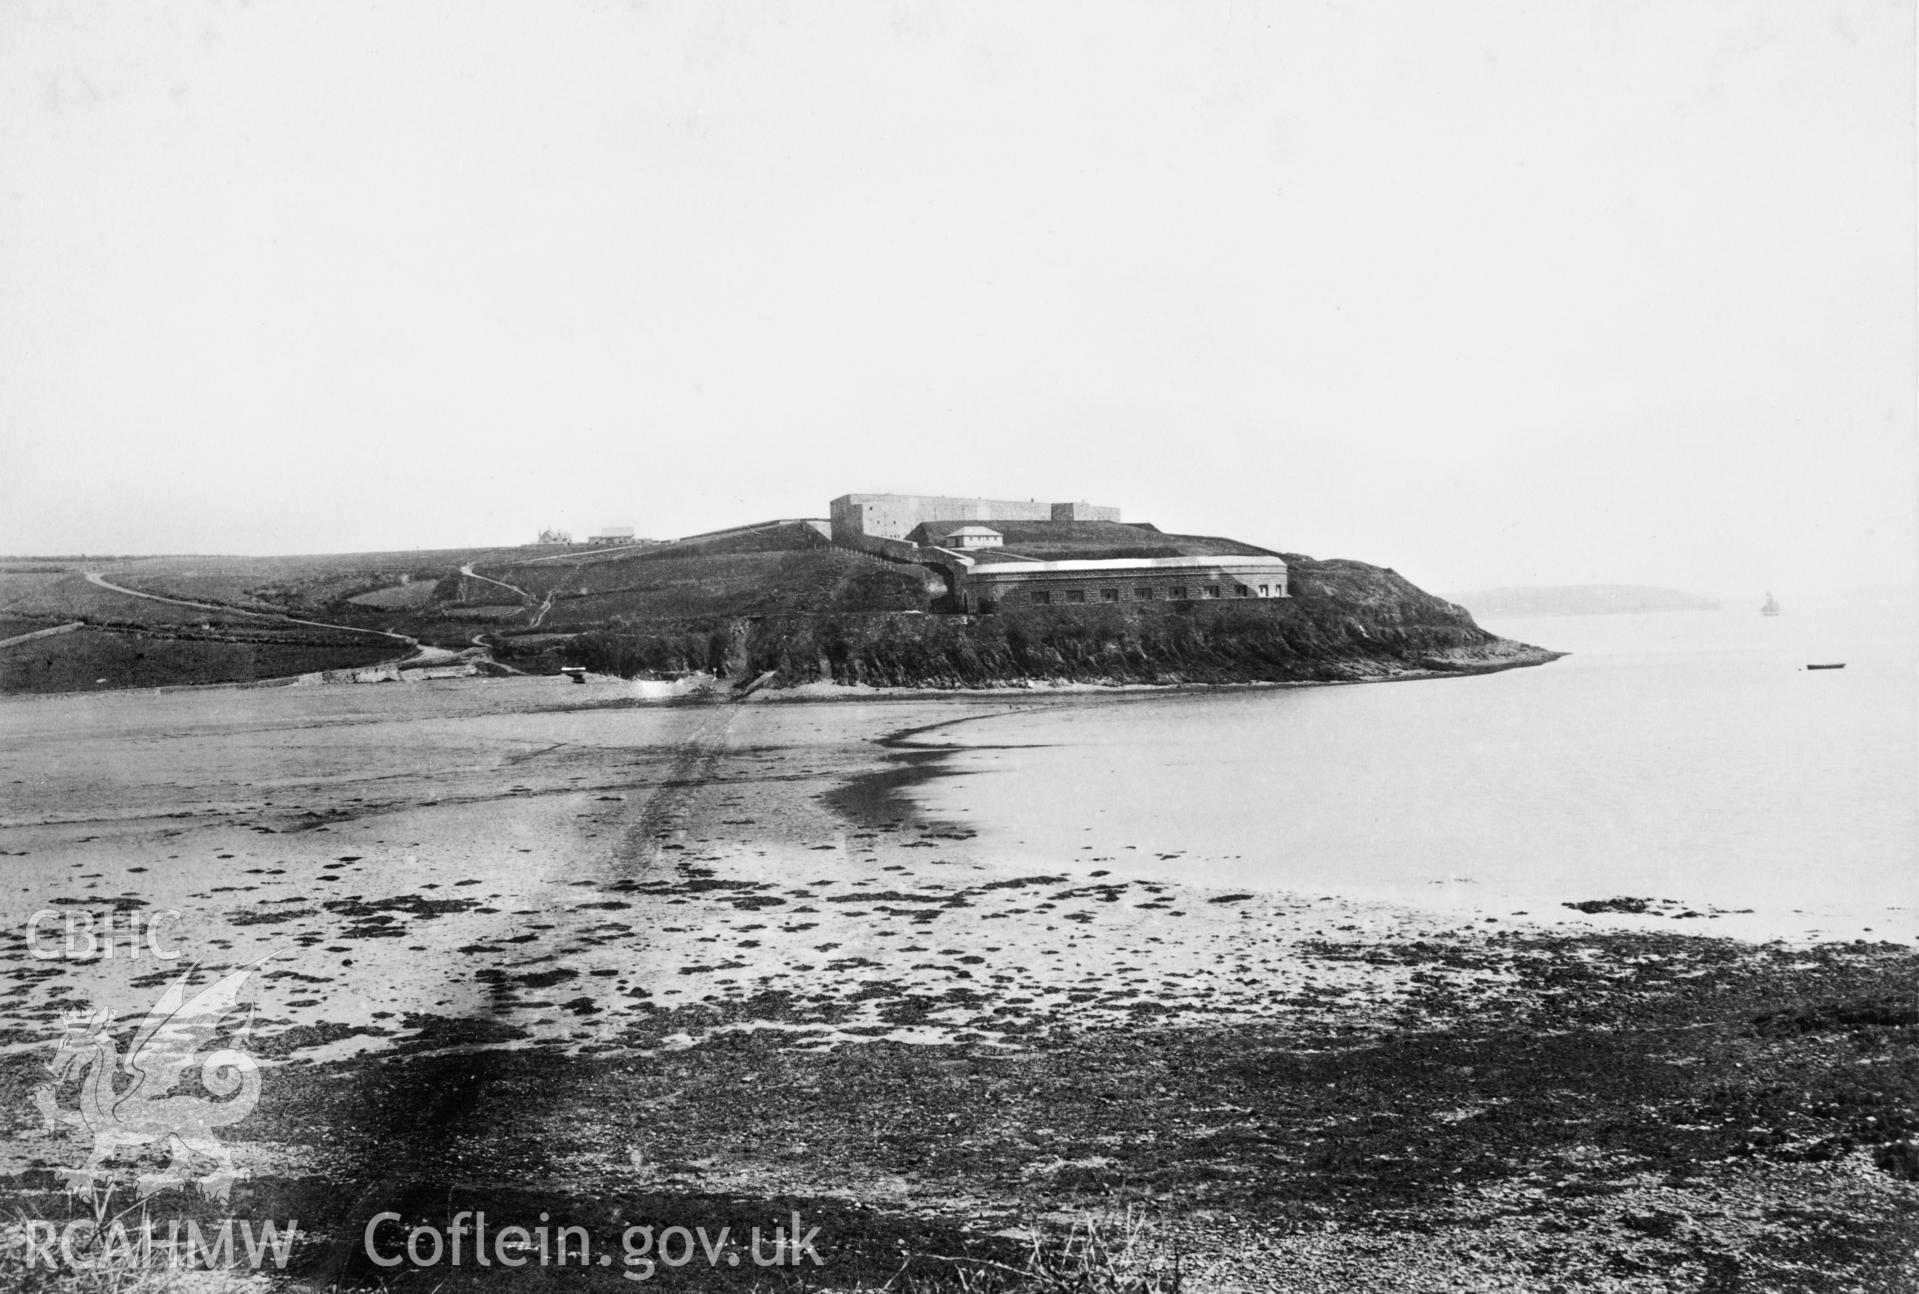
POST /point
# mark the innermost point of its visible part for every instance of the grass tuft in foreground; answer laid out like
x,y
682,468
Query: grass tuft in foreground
x,y
1124,1256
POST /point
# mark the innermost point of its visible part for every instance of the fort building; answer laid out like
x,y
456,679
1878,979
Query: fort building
x,y
1008,553
892,516
988,585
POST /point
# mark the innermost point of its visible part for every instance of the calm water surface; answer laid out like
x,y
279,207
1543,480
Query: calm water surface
x,y
1685,756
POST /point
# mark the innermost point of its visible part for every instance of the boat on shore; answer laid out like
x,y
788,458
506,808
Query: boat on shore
x,y
1839,664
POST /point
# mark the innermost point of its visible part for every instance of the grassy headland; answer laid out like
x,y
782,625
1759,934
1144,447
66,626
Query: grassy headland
x,y
775,598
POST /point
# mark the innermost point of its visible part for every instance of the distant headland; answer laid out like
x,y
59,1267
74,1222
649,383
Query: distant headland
x,y
1580,600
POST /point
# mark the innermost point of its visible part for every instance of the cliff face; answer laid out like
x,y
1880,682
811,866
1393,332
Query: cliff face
x,y
1346,620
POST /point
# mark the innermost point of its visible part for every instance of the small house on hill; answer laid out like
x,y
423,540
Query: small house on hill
x,y
946,534
612,535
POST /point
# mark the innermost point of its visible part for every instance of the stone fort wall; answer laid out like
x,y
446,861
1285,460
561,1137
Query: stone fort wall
x,y
891,516
984,588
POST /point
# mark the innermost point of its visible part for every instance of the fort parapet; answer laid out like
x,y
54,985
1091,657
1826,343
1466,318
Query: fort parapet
x,y
891,516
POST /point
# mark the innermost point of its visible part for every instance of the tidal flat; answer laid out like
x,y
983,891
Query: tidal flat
x,y
552,951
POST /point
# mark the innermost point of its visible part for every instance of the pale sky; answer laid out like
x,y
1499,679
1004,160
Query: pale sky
x,y
1492,293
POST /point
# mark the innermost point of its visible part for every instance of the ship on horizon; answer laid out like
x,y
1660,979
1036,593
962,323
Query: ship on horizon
x,y
1772,605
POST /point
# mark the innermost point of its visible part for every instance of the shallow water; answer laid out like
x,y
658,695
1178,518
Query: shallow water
x,y
1684,756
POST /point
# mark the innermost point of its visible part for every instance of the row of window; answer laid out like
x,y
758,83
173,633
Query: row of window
x,y
1150,593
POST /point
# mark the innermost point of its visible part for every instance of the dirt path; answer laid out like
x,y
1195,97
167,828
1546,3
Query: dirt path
x,y
422,653
546,605
43,633
479,640
468,571
93,577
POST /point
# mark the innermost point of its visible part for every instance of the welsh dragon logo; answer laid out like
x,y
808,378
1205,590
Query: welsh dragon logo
x,y
144,1112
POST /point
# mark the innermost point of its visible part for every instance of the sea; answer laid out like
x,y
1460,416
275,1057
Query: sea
x,y
1686,762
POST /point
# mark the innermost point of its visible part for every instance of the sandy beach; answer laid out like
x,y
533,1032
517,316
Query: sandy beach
x,y
543,948
623,856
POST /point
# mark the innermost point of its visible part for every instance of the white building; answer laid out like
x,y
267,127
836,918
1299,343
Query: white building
x,y
971,537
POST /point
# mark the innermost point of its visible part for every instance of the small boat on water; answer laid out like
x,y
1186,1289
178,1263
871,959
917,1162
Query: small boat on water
x,y
1839,664
1772,605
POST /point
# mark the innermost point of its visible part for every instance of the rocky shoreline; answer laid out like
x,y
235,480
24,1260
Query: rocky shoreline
x,y
1493,658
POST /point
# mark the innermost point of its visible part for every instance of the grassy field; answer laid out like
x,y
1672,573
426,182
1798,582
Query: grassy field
x,y
742,584
397,597
302,583
72,597
22,592
97,659
324,565
137,642
216,590
779,568
599,569
10,626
